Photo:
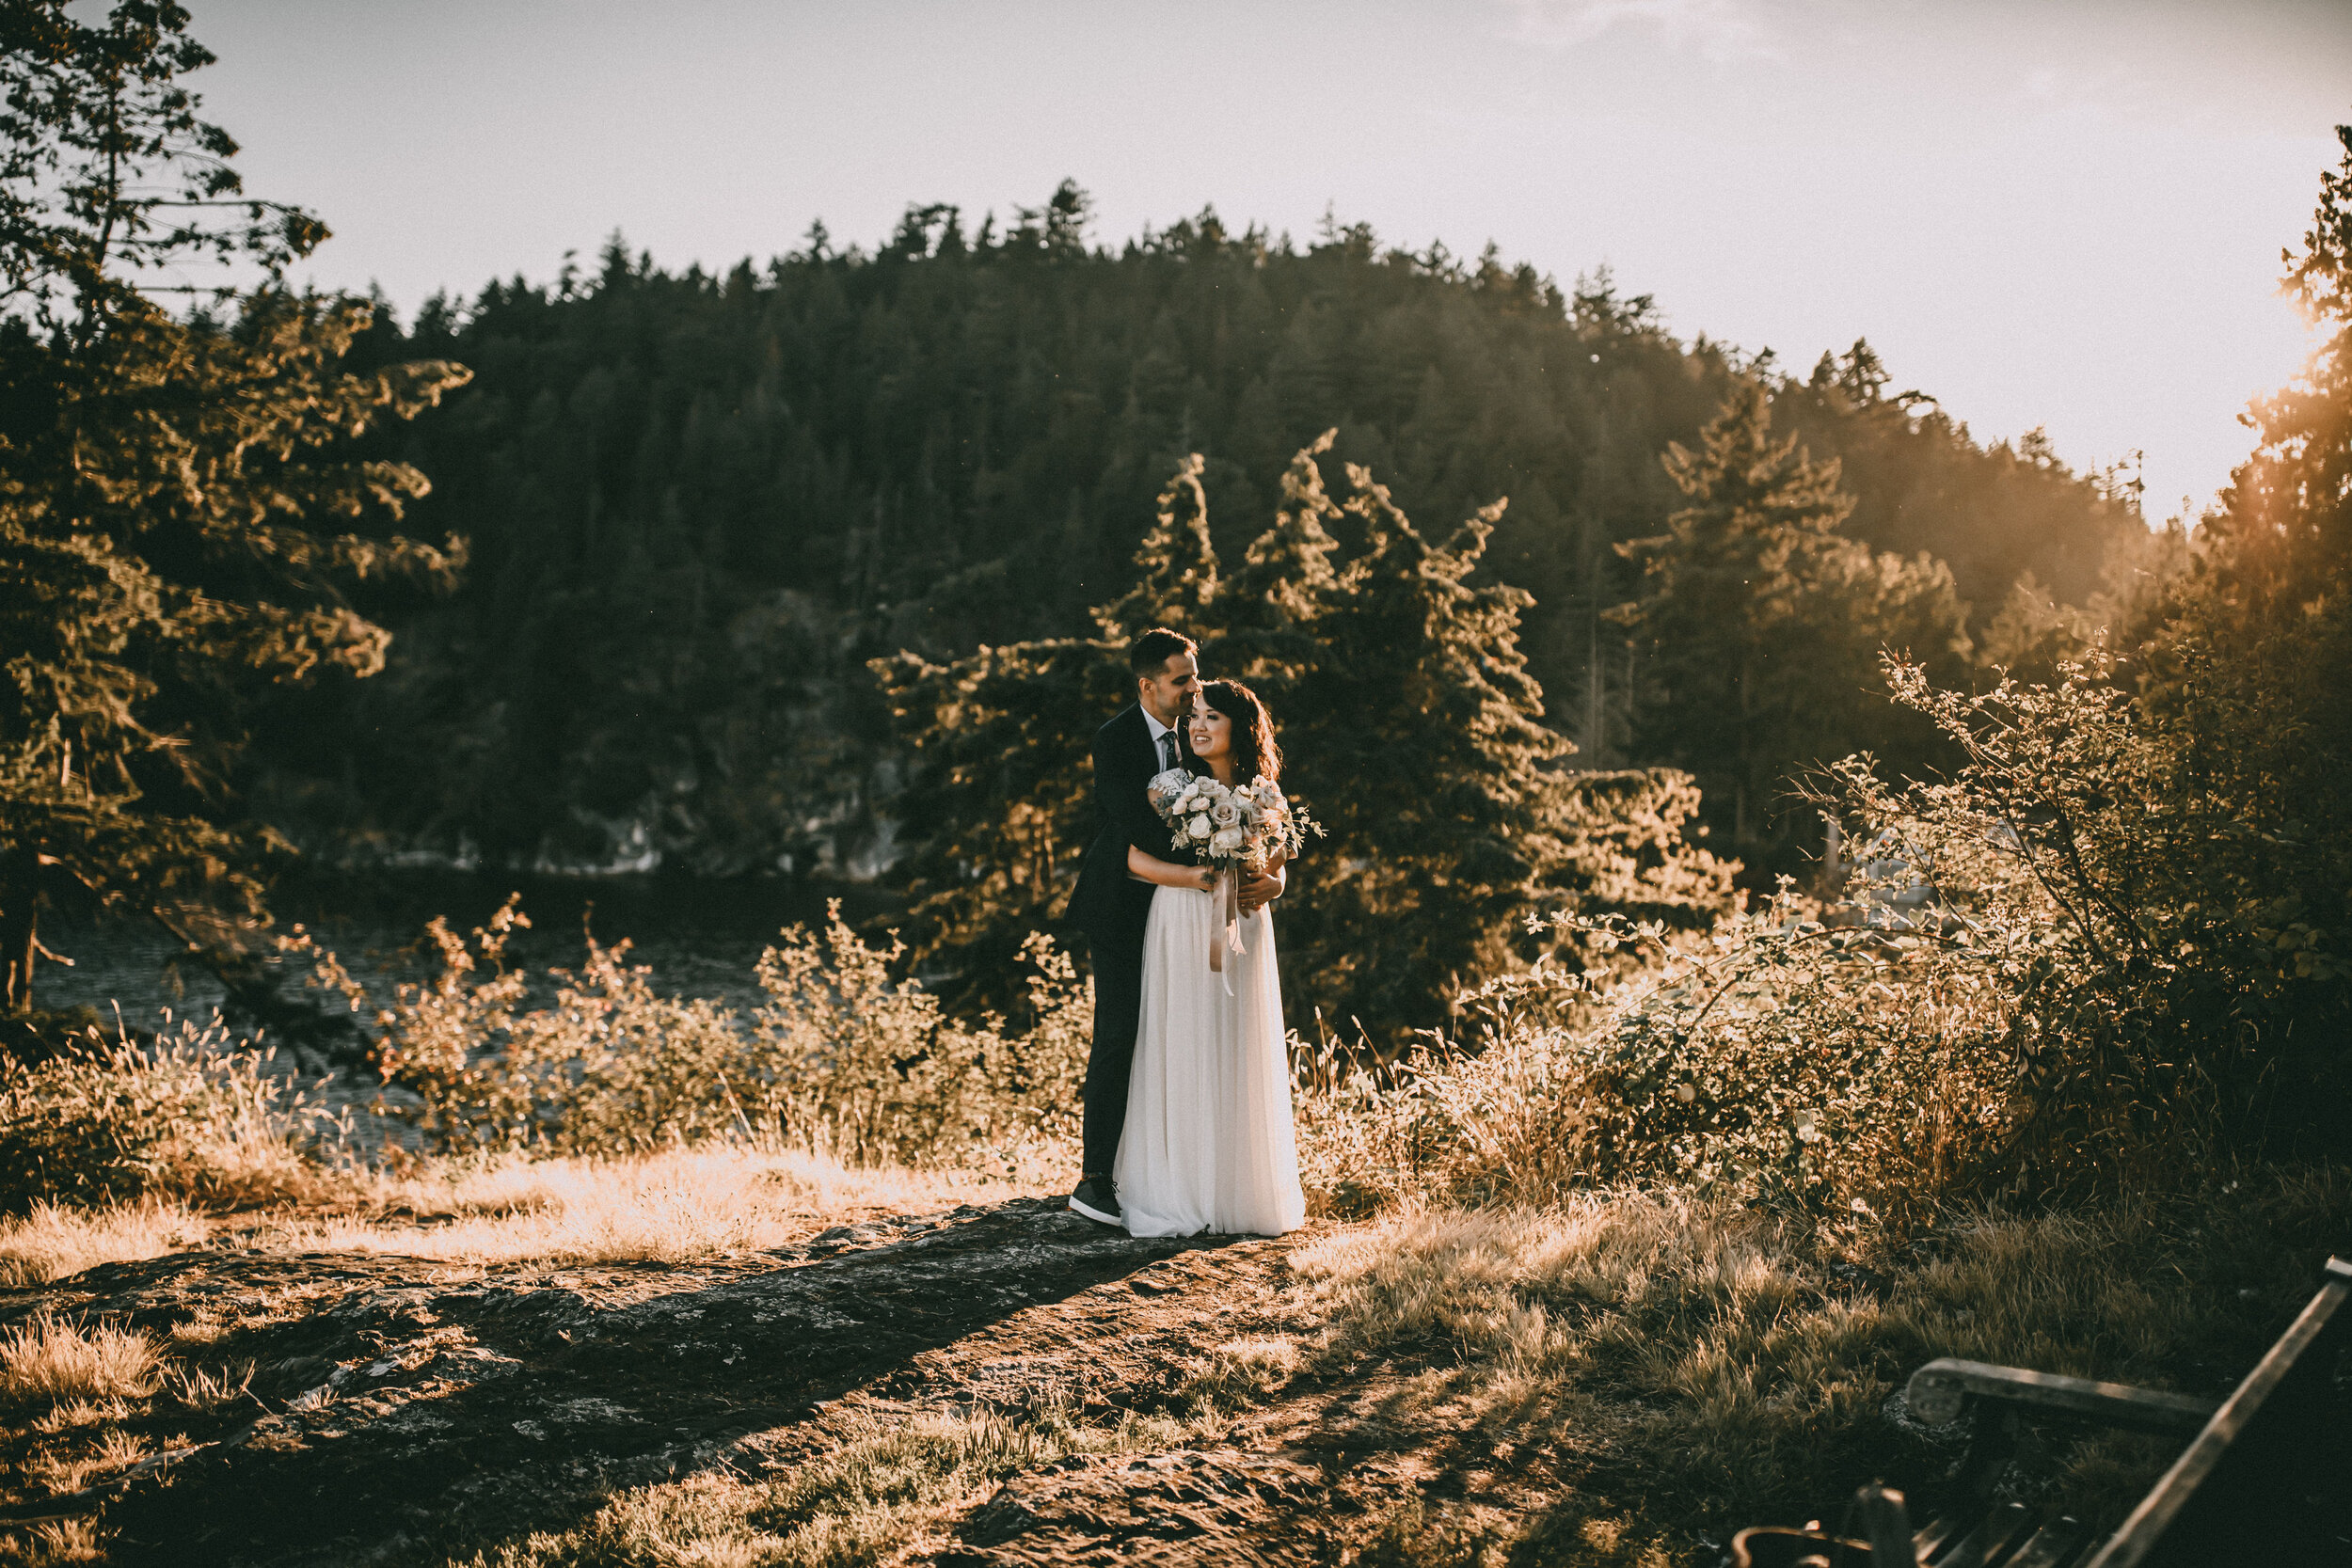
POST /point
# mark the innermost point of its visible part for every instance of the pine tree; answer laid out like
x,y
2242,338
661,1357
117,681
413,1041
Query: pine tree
x,y
998,798
1760,626
1412,728
181,522
936,451
1268,611
1176,579
1418,737
2242,679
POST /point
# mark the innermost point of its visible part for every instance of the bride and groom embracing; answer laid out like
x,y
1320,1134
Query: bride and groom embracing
x,y
1187,1088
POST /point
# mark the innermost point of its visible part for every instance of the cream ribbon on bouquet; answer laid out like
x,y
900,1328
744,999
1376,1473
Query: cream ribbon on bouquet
x,y
1233,829
1226,937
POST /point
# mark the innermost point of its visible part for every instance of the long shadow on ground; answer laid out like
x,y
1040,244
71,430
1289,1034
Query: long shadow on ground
x,y
396,1420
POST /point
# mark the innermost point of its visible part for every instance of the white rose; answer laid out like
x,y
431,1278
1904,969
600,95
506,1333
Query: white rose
x,y
1198,826
1227,840
1224,814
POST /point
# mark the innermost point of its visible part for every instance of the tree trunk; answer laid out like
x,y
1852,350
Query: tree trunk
x,y
20,926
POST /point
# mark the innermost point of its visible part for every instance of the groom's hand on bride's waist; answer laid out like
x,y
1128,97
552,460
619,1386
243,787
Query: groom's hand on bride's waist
x,y
1258,891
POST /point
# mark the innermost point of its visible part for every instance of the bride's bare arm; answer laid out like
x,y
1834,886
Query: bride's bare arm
x,y
1151,868
1265,887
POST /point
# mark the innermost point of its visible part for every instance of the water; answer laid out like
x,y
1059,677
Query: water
x,y
701,939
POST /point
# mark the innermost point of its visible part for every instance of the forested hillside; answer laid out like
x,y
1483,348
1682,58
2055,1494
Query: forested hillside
x,y
696,504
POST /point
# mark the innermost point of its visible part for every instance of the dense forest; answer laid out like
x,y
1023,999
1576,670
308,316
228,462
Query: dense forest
x,y
694,506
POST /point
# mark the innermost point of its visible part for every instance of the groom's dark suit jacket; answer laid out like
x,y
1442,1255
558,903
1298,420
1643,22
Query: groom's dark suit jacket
x,y
1113,909
1110,907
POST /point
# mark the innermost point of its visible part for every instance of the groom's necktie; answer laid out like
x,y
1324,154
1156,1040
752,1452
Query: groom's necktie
x,y
1168,750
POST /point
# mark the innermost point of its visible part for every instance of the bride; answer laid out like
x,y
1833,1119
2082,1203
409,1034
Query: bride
x,y
1207,1144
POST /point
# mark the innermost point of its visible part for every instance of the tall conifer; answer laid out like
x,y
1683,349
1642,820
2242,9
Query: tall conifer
x,y
1760,626
182,521
1411,728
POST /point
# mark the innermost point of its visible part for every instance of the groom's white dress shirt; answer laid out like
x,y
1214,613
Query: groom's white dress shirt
x,y
1162,741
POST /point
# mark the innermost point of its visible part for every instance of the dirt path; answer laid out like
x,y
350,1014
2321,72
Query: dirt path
x,y
404,1409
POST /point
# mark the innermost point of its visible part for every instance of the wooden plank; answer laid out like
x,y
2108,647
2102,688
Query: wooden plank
x,y
1938,1391
1885,1525
1934,1535
2184,1518
1994,1534
2051,1545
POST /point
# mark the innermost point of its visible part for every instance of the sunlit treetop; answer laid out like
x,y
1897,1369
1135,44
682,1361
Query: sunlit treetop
x,y
111,182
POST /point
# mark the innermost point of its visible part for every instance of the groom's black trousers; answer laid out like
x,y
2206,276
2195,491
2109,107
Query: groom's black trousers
x,y
1118,1009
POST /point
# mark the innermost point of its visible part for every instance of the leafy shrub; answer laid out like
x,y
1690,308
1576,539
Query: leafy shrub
x,y
2105,986
845,1055
2170,993
192,1115
872,1067
1774,1059
610,1068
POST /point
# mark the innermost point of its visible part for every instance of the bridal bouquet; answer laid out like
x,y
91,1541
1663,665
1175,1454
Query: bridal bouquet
x,y
1234,827
1231,828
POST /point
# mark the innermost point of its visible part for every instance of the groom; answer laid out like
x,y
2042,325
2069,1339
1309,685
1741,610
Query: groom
x,y
1111,907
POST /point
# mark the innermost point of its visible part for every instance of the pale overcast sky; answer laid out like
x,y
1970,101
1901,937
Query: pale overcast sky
x,y
2041,212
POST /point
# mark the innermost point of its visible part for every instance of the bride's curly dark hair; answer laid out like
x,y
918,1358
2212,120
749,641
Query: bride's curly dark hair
x,y
1255,755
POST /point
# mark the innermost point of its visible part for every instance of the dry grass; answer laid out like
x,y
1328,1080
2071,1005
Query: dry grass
x,y
194,1388
62,1471
1689,1366
60,1361
1737,1368
884,1492
1702,1363
676,1206
54,1544
51,1242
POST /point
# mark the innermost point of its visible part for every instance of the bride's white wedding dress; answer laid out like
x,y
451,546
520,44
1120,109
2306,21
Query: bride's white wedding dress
x,y
1207,1144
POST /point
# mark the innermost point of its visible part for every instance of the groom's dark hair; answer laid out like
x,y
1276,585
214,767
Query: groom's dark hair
x,y
1148,654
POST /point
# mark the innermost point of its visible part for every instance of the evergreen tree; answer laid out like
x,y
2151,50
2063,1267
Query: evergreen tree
x,y
1411,727
1416,735
700,502
1176,580
999,796
163,487
2242,678
1760,626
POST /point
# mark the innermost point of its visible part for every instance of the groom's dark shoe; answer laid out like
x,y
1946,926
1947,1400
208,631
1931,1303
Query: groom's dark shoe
x,y
1096,1200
